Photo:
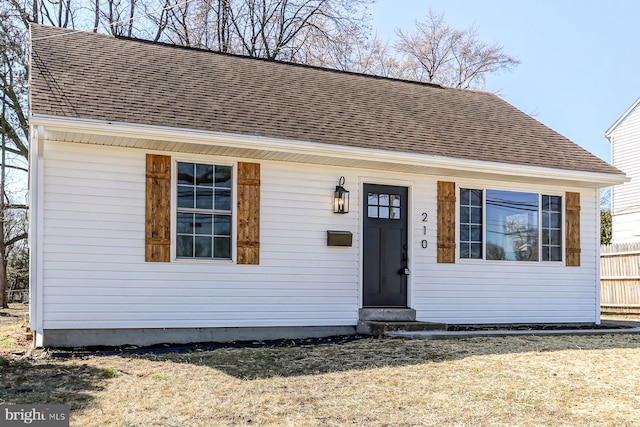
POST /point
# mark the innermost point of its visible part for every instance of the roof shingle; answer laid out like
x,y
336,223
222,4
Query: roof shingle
x,y
95,76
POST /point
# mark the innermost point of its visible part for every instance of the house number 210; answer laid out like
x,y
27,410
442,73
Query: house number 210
x,y
424,230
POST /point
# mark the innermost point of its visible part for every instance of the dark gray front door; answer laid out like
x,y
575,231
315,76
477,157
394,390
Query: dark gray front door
x,y
385,246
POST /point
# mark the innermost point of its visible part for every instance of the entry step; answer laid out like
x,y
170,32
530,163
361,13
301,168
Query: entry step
x,y
388,314
379,328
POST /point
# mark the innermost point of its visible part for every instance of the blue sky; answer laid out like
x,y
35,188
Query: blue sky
x,y
580,65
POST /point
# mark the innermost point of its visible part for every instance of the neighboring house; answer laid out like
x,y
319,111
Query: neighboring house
x,y
182,195
624,136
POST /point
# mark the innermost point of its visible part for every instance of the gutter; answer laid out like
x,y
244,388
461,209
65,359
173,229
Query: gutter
x,y
189,136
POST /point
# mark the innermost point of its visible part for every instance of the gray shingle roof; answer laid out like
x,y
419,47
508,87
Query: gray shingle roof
x,y
95,76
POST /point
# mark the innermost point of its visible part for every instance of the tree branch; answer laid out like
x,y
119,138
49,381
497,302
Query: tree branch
x,y
16,239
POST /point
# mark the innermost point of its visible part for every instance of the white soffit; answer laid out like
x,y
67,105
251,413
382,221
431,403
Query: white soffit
x,y
207,143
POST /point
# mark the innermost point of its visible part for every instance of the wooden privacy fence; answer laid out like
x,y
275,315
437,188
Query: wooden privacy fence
x,y
620,278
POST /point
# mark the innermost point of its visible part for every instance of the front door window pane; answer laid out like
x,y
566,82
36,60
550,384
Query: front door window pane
x,y
384,206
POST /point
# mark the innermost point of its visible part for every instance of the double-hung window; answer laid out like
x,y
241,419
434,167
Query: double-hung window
x,y
510,225
204,214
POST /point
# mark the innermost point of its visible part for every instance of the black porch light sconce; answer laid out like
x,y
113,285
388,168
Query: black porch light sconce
x,y
341,198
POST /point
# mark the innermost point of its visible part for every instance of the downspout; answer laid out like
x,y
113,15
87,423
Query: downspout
x,y
597,260
35,235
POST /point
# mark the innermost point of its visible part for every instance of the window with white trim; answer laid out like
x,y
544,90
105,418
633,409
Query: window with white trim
x,y
551,228
509,225
470,223
204,214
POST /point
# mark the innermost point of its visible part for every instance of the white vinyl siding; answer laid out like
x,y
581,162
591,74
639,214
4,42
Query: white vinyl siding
x,y
625,198
94,270
95,275
480,291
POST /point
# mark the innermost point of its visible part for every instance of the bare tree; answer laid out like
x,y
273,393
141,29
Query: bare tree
x,y
355,50
58,13
272,29
435,52
14,150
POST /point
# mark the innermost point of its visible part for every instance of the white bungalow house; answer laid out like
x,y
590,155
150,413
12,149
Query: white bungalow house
x,y
181,195
624,136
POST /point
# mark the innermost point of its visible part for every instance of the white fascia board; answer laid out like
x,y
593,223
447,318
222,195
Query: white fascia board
x,y
613,127
190,136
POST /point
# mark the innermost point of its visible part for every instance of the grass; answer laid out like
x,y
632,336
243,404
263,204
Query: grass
x,y
12,320
513,381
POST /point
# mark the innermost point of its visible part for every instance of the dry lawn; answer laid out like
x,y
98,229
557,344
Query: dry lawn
x,y
516,381
12,332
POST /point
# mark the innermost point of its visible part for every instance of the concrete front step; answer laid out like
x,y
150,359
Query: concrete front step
x,y
387,314
379,328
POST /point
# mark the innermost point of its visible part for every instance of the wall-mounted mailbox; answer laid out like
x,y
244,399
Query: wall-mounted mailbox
x,y
339,238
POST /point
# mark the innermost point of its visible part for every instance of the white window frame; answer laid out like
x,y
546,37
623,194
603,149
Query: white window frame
x,y
174,207
540,192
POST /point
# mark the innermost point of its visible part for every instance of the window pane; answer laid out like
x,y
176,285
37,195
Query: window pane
x,y
556,253
555,203
395,200
465,197
222,225
185,173
185,196
476,251
184,223
223,200
545,236
203,224
512,225
476,233
475,197
383,212
555,238
184,246
464,233
383,200
496,252
222,247
465,250
204,175
372,199
545,219
204,198
554,220
223,176
545,253
476,215
465,215
372,212
395,213
203,247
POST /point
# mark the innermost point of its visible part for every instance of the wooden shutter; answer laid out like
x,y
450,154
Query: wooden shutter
x,y
248,213
446,222
572,237
158,209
